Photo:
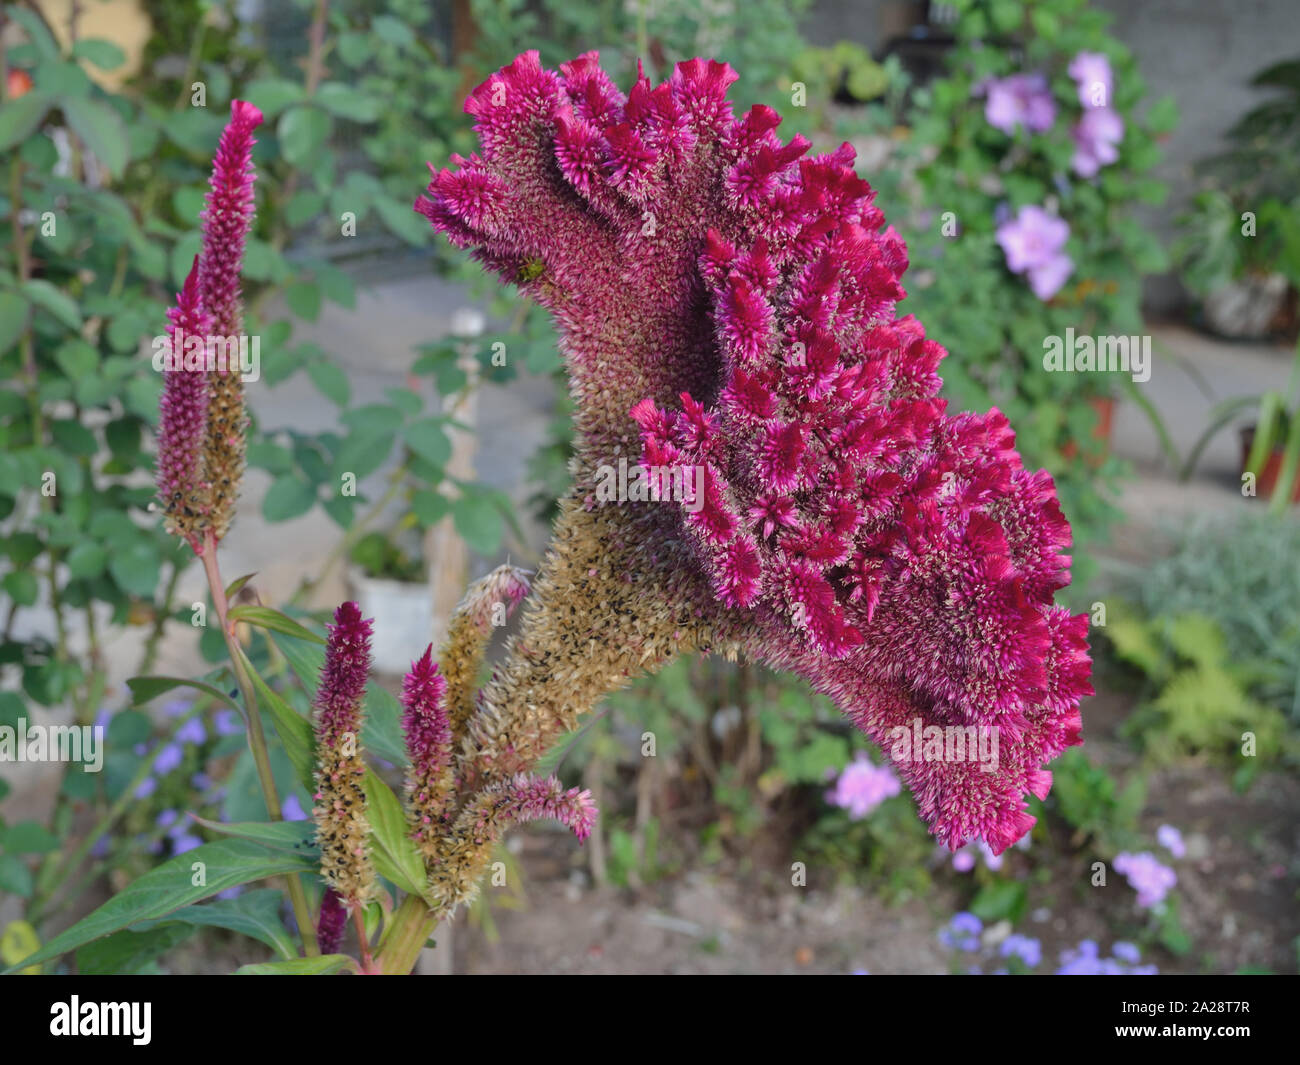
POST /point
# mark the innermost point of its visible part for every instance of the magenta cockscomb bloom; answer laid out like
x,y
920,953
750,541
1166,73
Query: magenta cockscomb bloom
x,y
331,923
733,303
1092,74
428,742
343,677
227,217
862,786
1097,136
1033,242
523,798
1021,100
183,421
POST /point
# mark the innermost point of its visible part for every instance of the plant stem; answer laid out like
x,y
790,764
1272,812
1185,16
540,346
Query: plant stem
x,y
412,925
256,737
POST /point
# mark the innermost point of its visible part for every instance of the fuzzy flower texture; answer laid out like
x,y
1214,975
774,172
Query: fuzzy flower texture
x,y
728,302
201,421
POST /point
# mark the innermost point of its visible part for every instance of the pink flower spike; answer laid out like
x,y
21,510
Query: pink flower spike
x,y
227,217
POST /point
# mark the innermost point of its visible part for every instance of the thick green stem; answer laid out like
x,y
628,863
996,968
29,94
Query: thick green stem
x,y
412,925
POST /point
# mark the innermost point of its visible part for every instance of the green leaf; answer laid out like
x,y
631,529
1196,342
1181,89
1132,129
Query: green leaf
x,y
305,205
20,118
136,568
224,864
102,131
288,497
255,914
104,54
29,837
295,731
303,131
15,877
127,952
1163,115
13,317
21,586
143,689
272,95
382,731
86,560
393,30
344,101
428,439
265,617
1002,899
394,853
293,837
478,523
330,381
234,587
322,965
58,303
304,299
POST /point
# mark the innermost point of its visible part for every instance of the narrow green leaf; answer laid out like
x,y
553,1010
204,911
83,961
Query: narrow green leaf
x,y
319,966
223,864
295,731
394,853
265,617
255,914
144,689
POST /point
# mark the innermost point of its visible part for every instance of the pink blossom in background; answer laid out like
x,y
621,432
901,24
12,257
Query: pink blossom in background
x,y
1033,243
1172,840
1091,71
862,787
1096,140
1146,876
1020,100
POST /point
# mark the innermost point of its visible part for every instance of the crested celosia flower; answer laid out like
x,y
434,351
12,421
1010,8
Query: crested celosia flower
x,y
429,781
332,921
1021,100
182,425
226,221
465,850
1034,242
728,304
342,829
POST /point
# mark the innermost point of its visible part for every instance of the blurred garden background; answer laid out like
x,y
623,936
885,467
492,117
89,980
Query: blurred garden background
x,y
764,834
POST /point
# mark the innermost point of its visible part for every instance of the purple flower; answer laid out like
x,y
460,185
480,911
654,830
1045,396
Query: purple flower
x,y
1026,948
192,732
231,892
170,758
1032,242
146,788
103,717
964,860
1020,100
200,781
969,853
1096,138
176,707
166,819
1126,951
1091,71
291,809
184,841
227,723
1146,876
962,932
1172,840
863,786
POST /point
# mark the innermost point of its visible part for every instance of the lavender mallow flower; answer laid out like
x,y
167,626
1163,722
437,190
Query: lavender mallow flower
x,y
1092,74
1021,100
1096,135
1033,242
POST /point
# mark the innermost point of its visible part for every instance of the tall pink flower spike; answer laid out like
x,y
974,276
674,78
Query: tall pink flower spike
x,y
730,303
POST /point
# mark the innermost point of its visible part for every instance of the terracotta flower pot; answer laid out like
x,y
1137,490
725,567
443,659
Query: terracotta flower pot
x,y
1265,479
